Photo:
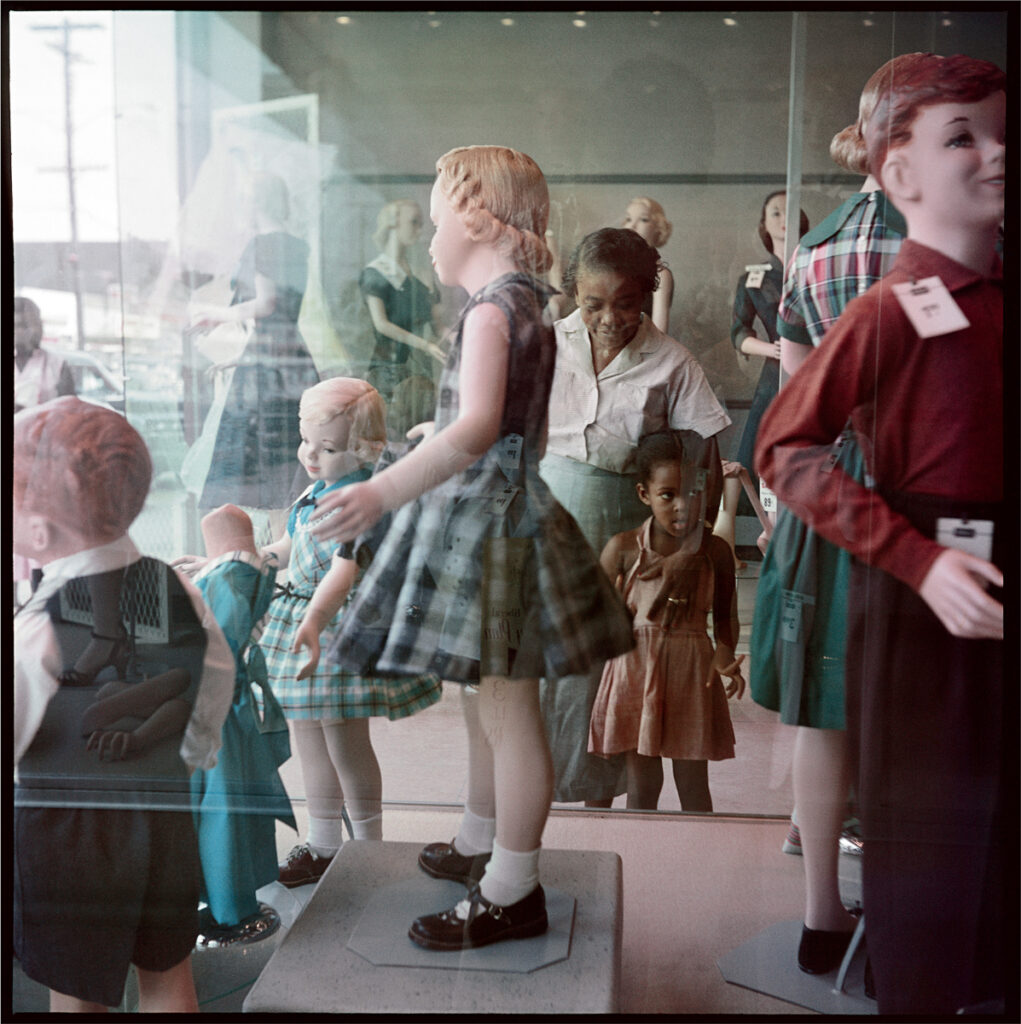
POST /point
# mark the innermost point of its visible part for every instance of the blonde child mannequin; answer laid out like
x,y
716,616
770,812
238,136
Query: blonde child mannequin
x,y
923,616
342,431
482,577
647,218
665,698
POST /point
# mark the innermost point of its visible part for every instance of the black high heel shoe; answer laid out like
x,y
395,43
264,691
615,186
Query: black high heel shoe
x,y
821,951
116,657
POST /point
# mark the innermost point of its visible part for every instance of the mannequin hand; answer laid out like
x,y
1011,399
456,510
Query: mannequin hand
x,y
423,430
727,665
203,317
436,352
307,637
189,564
344,514
762,542
952,589
113,746
776,350
731,468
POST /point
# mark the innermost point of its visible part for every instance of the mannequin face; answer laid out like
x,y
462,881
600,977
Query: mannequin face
x,y
953,163
323,449
611,306
640,220
409,224
776,220
450,247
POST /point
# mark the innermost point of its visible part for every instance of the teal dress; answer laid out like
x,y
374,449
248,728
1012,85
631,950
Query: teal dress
x,y
237,802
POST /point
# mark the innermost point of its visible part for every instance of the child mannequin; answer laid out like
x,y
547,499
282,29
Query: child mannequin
x,y
482,577
400,303
342,431
81,474
646,217
237,802
928,402
665,697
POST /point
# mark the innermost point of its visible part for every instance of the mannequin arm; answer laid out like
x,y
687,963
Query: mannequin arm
x,y
279,549
326,602
388,329
953,589
254,309
754,346
344,514
167,720
793,355
662,298
137,700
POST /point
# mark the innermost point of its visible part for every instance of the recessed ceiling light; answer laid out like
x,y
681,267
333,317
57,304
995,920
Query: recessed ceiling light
x,y
868,22
343,20
435,24
946,23
579,23
729,22
507,21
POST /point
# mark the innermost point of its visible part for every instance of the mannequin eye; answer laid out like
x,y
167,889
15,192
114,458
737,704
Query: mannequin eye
x,y
959,141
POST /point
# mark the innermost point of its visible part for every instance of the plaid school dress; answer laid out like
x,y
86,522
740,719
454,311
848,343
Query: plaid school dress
x,y
487,574
329,692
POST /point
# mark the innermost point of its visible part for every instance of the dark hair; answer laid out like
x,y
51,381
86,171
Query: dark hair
x,y
684,446
803,224
924,80
619,250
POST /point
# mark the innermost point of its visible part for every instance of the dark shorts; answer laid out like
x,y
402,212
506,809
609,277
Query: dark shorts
x,y
98,890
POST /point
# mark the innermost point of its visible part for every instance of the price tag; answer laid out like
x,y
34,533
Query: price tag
x,y
767,498
972,535
791,615
756,272
930,307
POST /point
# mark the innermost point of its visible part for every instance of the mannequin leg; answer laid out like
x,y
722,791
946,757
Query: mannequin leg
x,y
822,779
324,796
61,1003
692,781
644,781
481,784
106,644
522,767
170,991
354,760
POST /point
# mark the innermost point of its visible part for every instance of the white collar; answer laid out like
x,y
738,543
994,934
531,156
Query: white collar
x,y
115,555
387,266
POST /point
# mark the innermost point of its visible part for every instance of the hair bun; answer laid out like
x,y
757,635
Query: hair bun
x,y
847,150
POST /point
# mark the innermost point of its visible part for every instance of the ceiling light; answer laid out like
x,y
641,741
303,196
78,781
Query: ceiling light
x,y
343,20
578,23
507,21
729,22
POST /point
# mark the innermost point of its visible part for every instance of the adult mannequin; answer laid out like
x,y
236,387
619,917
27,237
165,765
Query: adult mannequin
x,y
923,615
648,219
400,303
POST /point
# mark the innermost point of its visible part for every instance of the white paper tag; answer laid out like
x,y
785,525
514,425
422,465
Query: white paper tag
x,y
972,535
756,272
766,498
930,307
790,616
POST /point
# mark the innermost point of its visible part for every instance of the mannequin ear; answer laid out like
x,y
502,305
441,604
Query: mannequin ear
x,y
898,177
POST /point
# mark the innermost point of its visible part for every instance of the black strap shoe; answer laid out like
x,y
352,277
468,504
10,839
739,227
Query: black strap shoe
x,y
441,860
474,922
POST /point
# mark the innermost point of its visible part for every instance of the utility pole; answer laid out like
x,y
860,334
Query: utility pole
x,y
64,48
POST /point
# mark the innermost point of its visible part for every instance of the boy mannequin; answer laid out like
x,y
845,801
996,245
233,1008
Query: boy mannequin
x,y
81,474
926,403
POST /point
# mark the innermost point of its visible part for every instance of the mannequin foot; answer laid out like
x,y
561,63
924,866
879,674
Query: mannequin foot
x,y
474,922
820,951
441,860
303,867
101,652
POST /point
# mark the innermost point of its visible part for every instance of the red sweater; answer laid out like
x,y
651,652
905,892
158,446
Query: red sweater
x,y
927,412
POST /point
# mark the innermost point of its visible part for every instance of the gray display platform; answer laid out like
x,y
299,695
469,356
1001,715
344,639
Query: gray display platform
x,y
768,964
381,935
315,969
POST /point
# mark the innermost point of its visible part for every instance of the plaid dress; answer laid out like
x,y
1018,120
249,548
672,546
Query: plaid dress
x,y
487,574
834,263
329,692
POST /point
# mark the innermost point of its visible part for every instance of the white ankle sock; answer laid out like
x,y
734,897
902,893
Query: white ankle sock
x,y
367,828
510,876
475,835
325,835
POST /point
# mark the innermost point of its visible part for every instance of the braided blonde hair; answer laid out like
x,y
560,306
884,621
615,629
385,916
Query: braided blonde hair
x,y
502,198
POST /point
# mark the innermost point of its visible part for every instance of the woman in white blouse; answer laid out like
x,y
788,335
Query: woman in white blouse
x,y
617,377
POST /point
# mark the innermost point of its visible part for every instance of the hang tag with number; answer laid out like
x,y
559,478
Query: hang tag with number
x,y
930,307
766,498
756,272
972,535
791,615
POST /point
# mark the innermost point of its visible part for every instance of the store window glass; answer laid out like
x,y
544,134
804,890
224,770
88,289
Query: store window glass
x,y
213,209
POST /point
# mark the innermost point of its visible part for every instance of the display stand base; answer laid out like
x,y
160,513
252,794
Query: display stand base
x,y
349,951
768,964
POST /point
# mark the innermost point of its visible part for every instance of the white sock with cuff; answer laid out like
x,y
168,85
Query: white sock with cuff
x,y
510,876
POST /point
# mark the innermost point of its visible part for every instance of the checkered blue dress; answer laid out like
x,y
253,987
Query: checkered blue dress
x,y
330,692
487,574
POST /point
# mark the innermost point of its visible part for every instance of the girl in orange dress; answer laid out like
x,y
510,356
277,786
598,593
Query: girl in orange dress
x,y
666,698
